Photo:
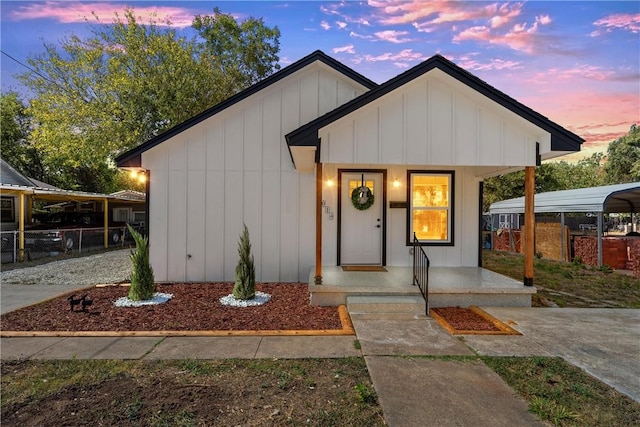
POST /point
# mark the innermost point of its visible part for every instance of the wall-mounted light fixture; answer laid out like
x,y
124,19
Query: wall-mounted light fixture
x,y
139,175
330,182
396,183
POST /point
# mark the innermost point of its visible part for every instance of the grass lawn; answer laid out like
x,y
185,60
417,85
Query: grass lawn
x,y
316,392
568,284
563,394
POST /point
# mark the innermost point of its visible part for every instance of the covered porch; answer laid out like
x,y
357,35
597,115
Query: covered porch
x,y
448,286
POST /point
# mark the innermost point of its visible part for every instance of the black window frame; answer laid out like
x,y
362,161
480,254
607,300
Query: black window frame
x,y
12,218
409,220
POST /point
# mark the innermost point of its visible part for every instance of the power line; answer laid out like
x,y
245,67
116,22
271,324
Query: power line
x,y
28,68
70,92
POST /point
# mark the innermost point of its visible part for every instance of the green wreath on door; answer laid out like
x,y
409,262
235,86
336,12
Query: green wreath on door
x,y
362,198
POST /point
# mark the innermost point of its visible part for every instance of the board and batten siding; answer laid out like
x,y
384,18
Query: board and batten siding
x,y
432,120
464,251
235,168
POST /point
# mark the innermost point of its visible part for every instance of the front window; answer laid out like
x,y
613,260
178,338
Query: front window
x,y
8,211
430,210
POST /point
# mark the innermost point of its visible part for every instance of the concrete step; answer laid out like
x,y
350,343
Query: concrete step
x,y
385,304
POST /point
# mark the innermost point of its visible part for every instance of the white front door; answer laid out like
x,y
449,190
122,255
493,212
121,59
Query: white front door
x,y
361,229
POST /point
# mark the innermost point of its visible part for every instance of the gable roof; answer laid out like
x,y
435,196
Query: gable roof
x,y
10,176
617,198
132,158
561,139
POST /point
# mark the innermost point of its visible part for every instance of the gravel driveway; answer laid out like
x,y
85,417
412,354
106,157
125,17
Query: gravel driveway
x,y
108,267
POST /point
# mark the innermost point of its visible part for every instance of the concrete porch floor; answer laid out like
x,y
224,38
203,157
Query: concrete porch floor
x,y
448,286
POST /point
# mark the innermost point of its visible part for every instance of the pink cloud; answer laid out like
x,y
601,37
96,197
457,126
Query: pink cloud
x,y
470,64
441,12
590,72
348,49
543,19
393,36
334,9
76,12
325,25
341,25
598,115
619,21
424,27
400,59
519,37
355,35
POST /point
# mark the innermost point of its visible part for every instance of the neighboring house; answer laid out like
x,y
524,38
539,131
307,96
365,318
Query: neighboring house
x,y
287,153
18,194
10,177
126,206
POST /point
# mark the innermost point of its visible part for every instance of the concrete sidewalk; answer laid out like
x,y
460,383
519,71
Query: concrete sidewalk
x,y
411,388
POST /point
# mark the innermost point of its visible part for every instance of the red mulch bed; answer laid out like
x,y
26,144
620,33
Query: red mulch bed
x,y
463,319
194,307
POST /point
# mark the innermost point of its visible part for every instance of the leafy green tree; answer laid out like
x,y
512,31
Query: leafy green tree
x,y
143,284
246,52
623,158
15,130
245,285
99,96
550,176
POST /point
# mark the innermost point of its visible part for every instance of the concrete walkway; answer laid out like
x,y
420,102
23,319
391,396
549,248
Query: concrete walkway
x,y
412,388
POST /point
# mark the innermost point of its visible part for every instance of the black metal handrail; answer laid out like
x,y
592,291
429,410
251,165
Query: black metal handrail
x,y
421,271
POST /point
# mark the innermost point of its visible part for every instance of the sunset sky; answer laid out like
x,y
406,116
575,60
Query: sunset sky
x,y
576,62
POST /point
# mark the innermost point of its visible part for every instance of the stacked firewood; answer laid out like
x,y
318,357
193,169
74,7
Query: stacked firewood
x,y
507,240
586,248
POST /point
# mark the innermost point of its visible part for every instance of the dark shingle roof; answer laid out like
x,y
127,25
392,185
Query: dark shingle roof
x,y
10,176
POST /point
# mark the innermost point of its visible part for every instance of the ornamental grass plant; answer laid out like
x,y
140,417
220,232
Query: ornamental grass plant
x,y
143,284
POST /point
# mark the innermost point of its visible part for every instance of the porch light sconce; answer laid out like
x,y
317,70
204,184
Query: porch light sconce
x,y
329,182
139,175
396,183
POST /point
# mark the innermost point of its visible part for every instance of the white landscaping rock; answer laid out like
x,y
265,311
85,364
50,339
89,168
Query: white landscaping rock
x,y
158,298
259,299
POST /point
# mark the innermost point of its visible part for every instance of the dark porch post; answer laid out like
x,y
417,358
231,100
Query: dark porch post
x,y
529,224
318,273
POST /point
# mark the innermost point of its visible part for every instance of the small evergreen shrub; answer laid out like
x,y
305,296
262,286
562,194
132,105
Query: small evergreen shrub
x,y
143,284
245,285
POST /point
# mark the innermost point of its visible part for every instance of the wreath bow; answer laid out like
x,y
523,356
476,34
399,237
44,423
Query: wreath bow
x,y
362,198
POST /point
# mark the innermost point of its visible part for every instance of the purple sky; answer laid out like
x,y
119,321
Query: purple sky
x,y
576,62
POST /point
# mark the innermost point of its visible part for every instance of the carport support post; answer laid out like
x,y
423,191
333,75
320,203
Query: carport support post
x,y
105,208
317,279
21,227
600,233
529,223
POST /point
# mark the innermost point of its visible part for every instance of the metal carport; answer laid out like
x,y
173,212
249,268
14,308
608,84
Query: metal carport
x,y
618,198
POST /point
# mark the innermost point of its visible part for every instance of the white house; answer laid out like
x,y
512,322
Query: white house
x,y
285,156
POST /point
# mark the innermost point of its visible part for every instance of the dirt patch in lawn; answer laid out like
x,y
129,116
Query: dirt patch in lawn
x,y
189,393
470,321
194,307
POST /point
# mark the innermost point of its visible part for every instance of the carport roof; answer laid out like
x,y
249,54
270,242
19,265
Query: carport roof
x,y
50,194
618,198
